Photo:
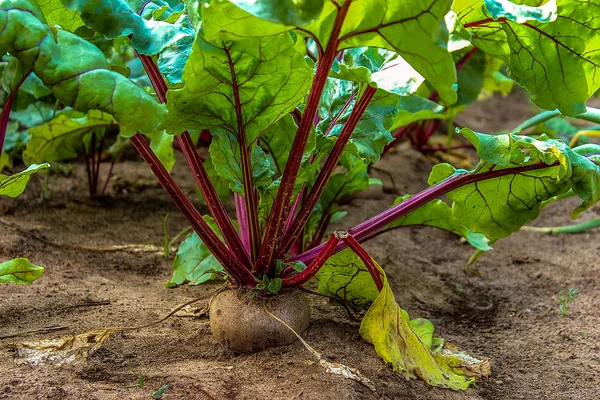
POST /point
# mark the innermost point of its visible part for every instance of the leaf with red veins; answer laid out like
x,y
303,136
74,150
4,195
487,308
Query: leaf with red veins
x,y
271,79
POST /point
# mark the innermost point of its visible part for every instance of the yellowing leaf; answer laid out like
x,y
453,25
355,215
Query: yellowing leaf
x,y
63,350
388,328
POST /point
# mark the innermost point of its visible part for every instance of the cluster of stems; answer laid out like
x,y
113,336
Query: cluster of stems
x,y
250,253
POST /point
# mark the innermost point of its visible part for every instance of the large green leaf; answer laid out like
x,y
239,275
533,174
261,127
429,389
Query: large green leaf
x,y
439,215
15,184
75,70
171,40
19,270
225,155
553,52
194,263
416,30
498,207
267,74
407,345
65,136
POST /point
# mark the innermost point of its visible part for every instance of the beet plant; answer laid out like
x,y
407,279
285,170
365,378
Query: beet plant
x,y
300,98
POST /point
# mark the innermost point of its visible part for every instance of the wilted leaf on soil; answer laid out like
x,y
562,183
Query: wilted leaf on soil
x,y
408,345
63,350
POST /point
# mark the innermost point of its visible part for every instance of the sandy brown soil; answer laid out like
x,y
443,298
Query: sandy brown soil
x,y
509,315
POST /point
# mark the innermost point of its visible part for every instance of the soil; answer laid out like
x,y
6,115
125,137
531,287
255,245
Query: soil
x,y
509,315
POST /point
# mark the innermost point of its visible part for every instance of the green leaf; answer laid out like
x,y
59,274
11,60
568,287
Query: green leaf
x,y
405,344
277,142
75,70
13,72
20,271
225,155
194,263
498,207
371,134
64,137
274,285
271,79
345,277
383,69
554,54
14,185
341,184
439,215
414,30
114,18
57,14
161,144
285,12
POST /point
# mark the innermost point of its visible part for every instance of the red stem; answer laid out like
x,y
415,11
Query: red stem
x,y
366,259
238,273
483,21
332,160
109,175
325,252
215,206
6,110
250,193
242,218
282,204
368,228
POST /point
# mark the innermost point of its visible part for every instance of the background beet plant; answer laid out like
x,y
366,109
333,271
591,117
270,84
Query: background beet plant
x,y
300,97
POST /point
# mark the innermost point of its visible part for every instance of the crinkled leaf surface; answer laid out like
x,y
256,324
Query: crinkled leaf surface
x,y
439,215
172,41
225,155
194,263
414,29
498,207
405,344
64,136
269,76
15,184
554,54
19,270
75,70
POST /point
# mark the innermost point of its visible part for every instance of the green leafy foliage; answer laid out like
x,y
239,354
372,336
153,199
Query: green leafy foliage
x,y
225,155
194,262
20,271
415,30
64,137
14,185
500,206
439,215
263,79
75,70
159,30
551,49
